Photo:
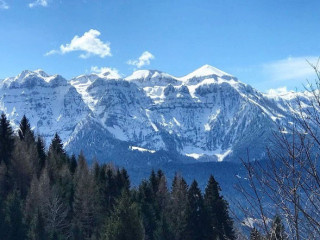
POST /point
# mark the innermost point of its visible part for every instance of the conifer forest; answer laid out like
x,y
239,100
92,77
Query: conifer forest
x,y
46,194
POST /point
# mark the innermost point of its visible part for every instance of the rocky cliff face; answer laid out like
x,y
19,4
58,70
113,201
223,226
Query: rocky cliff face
x,y
50,102
149,117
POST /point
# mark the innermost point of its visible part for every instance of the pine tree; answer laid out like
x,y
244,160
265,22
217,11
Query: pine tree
x,y
123,181
111,188
146,200
154,181
73,164
25,132
24,162
37,228
6,152
125,222
56,146
57,158
219,224
6,140
41,156
177,209
85,204
14,220
163,231
3,229
277,229
195,217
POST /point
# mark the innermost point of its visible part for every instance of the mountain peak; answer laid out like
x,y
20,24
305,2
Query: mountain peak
x,y
29,79
205,71
150,78
144,74
41,73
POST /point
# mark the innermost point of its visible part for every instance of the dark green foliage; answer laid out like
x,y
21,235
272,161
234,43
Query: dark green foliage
x,y
194,214
125,222
41,155
37,228
219,224
146,202
57,158
6,140
25,133
85,204
56,146
47,195
163,230
73,164
177,208
14,226
123,181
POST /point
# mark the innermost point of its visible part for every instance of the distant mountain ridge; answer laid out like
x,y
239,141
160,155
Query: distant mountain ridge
x,y
149,117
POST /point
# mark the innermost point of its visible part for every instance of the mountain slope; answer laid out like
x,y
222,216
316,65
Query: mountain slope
x,y
149,117
50,102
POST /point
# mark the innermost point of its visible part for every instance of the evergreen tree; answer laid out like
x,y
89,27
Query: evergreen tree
x,y
56,146
41,155
24,162
219,224
6,140
111,188
123,181
195,214
14,220
163,230
125,222
277,229
37,228
147,204
177,209
85,205
6,152
3,229
154,181
161,204
73,164
57,158
25,132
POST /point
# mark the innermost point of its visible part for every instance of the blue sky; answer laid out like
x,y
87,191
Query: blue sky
x,y
264,43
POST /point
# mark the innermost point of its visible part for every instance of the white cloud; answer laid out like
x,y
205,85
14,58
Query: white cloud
x,y
143,60
110,72
292,68
89,43
4,5
43,3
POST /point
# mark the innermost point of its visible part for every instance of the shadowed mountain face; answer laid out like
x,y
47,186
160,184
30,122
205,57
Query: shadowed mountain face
x,y
149,118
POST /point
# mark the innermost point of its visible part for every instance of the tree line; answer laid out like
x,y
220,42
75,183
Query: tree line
x,y
47,194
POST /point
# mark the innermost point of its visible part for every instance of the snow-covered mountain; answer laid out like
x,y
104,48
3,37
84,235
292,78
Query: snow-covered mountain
x,y
50,102
149,117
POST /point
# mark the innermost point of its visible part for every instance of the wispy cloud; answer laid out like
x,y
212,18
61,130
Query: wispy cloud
x,y
89,43
292,68
143,60
42,3
112,72
4,5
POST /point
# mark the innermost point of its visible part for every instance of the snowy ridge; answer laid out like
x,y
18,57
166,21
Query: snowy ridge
x,y
207,115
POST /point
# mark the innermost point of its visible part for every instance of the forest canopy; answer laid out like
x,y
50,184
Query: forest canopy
x,y
47,194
